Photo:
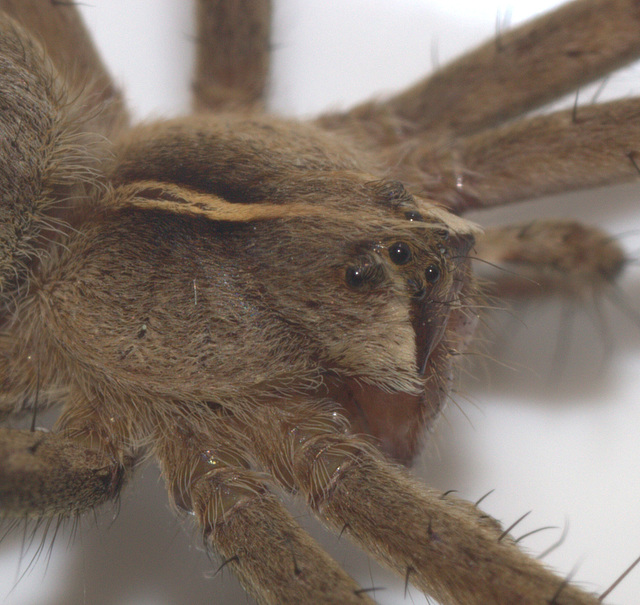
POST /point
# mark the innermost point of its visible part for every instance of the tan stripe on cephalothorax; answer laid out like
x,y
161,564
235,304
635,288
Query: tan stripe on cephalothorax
x,y
152,195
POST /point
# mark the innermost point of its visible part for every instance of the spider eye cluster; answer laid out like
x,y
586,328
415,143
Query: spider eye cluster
x,y
422,262
370,270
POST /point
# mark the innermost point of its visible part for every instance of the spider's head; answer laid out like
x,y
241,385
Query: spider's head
x,y
424,279
384,298
325,270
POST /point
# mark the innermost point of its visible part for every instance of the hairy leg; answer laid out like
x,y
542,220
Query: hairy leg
x,y
547,257
81,464
232,57
586,147
245,524
47,474
518,71
417,532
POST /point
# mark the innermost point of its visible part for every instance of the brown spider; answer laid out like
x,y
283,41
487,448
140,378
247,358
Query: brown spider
x,y
447,481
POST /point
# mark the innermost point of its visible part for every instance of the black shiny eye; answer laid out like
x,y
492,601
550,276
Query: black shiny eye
x,y
399,253
412,215
355,277
364,273
432,273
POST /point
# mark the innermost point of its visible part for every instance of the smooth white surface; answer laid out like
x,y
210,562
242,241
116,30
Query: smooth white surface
x,y
561,443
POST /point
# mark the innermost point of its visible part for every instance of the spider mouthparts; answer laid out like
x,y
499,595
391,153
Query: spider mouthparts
x,y
430,314
429,323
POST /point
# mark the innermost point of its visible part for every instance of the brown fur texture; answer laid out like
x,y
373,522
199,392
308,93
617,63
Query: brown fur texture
x,y
208,297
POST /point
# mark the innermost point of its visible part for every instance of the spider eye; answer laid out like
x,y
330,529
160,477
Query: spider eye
x,y
432,273
412,215
364,274
400,253
355,277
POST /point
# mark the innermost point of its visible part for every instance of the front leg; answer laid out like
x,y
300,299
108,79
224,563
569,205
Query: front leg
x,y
210,476
445,546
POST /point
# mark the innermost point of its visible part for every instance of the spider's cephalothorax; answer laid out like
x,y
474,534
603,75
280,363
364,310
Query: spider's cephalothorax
x,y
251,299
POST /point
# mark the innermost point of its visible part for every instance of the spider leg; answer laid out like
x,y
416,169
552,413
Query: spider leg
x,y
576,149
53,474
58,26
517,71
547,257
83,462
414,530
246,525
232,56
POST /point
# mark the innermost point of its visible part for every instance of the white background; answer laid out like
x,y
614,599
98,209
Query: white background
x,y
562,443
